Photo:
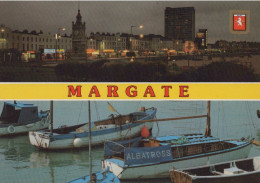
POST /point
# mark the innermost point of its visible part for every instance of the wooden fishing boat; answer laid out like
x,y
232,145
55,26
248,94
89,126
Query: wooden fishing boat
x,y
19,118
238,171
113,128
152,158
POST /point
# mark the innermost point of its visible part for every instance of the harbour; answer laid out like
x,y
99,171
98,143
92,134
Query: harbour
x,y
21,162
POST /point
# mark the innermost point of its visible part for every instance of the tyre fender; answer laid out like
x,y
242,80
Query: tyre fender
x,y
11,129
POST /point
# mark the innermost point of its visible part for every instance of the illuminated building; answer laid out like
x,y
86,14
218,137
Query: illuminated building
x,y
30,41
201,39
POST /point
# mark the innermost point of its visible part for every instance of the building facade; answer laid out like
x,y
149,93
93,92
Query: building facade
x,y
106,42
109,41
180,23
24,41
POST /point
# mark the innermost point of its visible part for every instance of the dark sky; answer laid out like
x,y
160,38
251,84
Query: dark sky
x,y
118,16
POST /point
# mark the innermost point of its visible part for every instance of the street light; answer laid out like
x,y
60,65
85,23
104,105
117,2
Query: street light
x,y
2,31
132,26
58,36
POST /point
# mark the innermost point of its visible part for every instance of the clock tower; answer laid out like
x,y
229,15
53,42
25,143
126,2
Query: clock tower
x,y
78,38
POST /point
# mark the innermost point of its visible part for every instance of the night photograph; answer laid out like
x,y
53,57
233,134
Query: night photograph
x,y
129,41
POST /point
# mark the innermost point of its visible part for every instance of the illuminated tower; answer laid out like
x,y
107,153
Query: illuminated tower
x,y
78,38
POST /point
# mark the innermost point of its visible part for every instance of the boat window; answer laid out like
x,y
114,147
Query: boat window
x,y
195,149
207,148
11,115
177,152
214,147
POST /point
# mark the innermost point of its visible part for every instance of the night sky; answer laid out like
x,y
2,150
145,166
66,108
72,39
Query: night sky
x,y
117,16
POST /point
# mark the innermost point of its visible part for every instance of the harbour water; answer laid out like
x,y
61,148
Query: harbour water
x,y
20,162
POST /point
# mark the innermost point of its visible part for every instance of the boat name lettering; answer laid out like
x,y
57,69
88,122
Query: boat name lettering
x,y
147,155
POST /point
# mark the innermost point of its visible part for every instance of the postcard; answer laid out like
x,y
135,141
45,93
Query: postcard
x,y
129,91
102,41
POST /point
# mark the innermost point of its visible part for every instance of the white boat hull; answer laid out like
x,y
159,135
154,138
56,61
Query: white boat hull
x,y
24,128
43,139
162,170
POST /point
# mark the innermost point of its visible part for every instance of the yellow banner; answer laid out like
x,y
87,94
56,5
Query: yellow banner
x,y
130,91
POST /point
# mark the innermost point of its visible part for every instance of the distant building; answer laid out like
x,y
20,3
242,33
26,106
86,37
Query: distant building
x,y
201,39
179,23
79,38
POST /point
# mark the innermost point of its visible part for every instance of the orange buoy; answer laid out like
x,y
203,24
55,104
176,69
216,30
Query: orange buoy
x,y
145,132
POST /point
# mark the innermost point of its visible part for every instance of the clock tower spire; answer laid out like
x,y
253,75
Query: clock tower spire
x,y
79,17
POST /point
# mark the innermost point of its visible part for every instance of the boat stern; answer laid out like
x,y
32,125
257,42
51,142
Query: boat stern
x,y
39,139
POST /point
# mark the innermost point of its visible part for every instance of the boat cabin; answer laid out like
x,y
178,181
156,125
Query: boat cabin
x,y
19,113
188,145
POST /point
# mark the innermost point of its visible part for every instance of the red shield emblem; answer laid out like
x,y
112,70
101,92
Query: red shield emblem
x,y
239,22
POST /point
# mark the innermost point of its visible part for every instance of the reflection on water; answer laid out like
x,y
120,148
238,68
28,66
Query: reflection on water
x,y
20,162
15,148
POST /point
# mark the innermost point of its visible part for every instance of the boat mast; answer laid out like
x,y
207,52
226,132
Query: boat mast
x,y
208,130
51,114
89,142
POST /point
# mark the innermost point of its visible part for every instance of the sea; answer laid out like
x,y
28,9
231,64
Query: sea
x,y
20,162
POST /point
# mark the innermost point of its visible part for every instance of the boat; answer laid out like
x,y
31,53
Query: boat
x,y
116,127
104,176
154,157
238,171
20,118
